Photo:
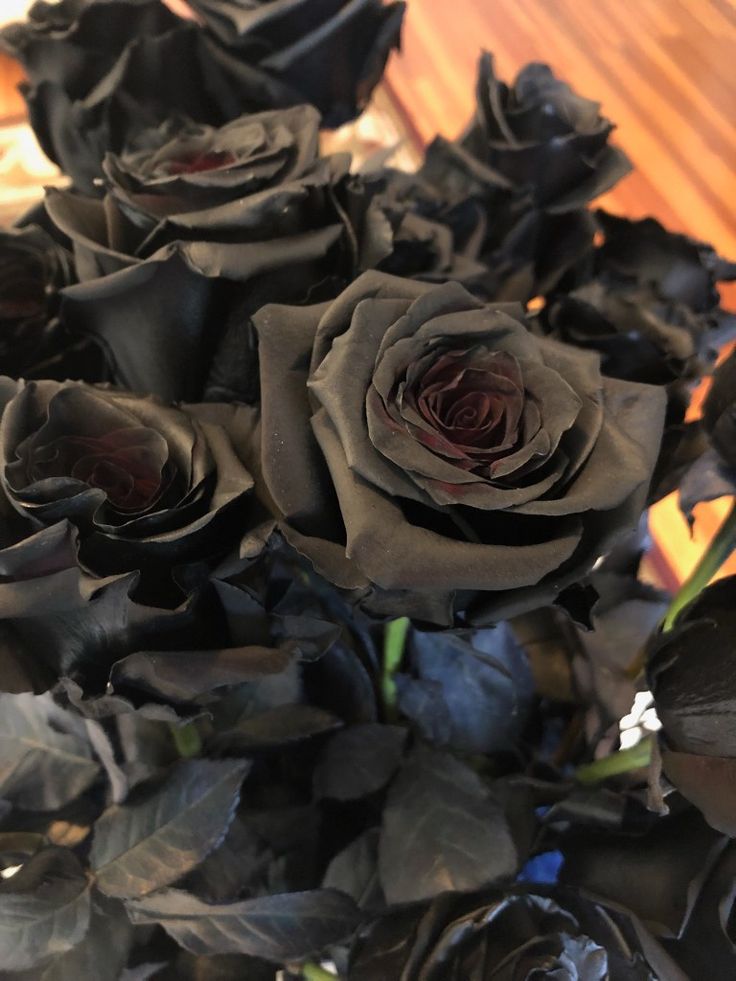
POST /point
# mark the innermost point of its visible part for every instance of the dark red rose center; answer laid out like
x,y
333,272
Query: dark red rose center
x,y
208,160
126,464
474,399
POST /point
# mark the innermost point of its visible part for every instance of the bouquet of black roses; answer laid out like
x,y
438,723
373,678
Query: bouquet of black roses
x,y
325,649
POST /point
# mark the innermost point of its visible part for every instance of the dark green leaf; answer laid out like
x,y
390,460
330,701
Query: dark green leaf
x,y
286,927
354,871
45,757
102,954
441,831
140,847
44,909
183,675
277,727
470,695
359,761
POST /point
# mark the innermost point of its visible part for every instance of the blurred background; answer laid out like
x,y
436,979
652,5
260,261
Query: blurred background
x,y
663,70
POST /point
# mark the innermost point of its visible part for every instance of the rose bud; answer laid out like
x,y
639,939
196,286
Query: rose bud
x,y
692,676
431,453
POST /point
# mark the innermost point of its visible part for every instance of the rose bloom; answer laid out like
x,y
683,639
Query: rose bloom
x,y
331,54
648,300
515,936
150,487
547,141
691,675
430,453
533,155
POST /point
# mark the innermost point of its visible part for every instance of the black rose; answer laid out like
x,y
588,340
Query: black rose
x,y
183,167
415,440
86,96
150,487
519,934
648,301
713,474
66,49
433,239
33,268
99,72
331,53
691,674
532,158
223,210
543,139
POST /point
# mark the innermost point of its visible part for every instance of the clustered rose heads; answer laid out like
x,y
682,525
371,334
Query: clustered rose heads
x,y
99,71
320,549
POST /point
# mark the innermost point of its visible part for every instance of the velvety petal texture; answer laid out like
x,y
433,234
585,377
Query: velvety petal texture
x,y
98,72
457,454
519,934
648,300
148,486
332,53
33,341
692,683
541,136
201,226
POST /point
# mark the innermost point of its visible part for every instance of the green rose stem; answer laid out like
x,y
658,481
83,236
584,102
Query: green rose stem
x,y
710,562
394,640
186,738
313,972
621,762
720,548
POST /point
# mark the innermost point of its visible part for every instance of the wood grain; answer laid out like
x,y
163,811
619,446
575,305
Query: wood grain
x,y
663,70
12,106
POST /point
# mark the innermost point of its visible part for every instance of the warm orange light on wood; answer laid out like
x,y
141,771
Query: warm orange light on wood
x,y
12,106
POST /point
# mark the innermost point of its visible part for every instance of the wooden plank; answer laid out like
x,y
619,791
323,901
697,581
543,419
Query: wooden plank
x,y
12,106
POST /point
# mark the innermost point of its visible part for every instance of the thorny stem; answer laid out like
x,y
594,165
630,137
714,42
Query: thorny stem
x,y
710,562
